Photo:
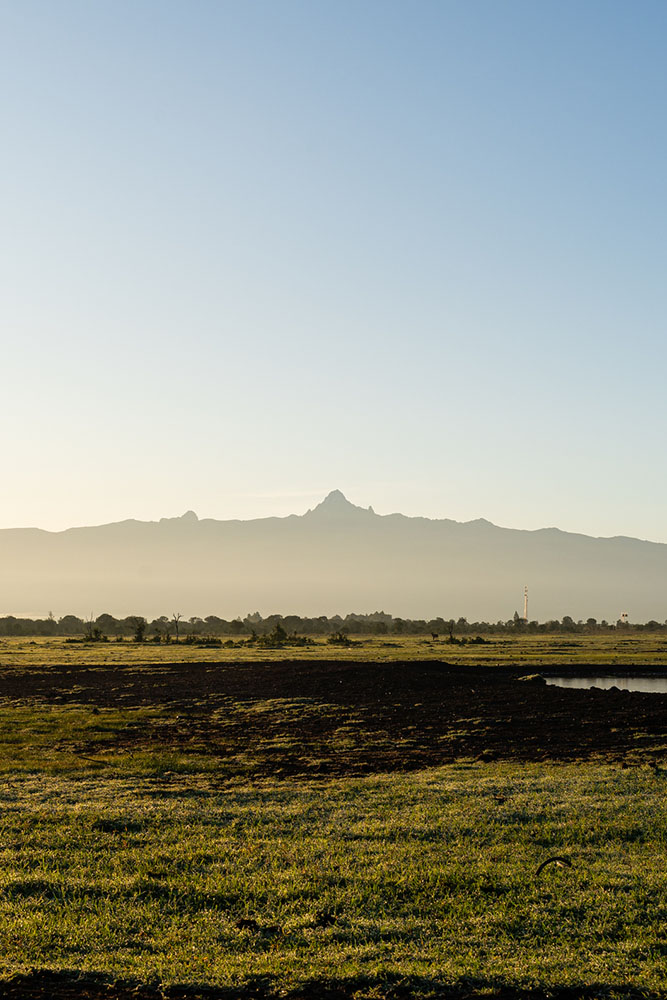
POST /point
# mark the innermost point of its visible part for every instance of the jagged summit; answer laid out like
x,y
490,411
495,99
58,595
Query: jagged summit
x,y
336,504
335,501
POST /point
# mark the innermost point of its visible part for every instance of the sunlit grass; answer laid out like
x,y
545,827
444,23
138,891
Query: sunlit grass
x,y
428,877
122,854
612,648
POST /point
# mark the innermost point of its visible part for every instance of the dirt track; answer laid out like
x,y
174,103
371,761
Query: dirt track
x,y
332,718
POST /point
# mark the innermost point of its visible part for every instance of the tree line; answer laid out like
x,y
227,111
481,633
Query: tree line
x,y
174,627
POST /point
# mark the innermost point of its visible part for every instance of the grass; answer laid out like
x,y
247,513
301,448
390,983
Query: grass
x,y
164,867
62,740
613,648
428,878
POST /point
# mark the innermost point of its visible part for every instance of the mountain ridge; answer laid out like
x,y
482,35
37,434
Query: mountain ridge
x,y
334,557
335,503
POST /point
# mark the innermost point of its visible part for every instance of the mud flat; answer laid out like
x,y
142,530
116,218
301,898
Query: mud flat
x,y
346,718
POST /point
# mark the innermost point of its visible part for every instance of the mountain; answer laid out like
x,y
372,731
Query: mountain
x,y
335,558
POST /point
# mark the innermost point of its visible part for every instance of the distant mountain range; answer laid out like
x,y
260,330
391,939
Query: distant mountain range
x,y
334,559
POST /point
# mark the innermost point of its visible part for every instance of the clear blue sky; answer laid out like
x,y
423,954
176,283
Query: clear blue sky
x,y
254,251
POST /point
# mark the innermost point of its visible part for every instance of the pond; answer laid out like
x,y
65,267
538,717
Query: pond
x,y
649,685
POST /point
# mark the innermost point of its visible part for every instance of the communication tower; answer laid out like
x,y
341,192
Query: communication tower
x,y
525,604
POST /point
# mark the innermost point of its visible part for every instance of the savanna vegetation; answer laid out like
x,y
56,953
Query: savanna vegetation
x,y
619,646
172,627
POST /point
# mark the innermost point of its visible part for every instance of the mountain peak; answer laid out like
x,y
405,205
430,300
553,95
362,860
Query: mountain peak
x,y
337,504
336,499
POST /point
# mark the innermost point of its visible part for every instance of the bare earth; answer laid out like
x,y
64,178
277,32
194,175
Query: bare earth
x,y
335,718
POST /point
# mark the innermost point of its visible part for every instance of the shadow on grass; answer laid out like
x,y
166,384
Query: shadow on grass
x,y
43,984
148,889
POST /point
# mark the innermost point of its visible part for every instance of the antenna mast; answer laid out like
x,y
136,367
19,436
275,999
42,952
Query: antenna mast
x,y
525,604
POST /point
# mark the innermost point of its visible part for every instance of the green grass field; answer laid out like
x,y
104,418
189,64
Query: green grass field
x,y
427,879
158,868
612,648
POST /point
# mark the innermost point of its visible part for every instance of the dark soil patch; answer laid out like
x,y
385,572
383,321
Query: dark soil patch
x,y
342,718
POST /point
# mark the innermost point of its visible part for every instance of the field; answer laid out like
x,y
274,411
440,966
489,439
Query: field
x,y
598,648
368,823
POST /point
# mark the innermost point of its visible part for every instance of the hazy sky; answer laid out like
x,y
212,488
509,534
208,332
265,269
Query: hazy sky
x,y
254,251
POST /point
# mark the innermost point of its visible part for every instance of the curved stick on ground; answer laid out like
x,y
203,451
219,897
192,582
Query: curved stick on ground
x,y
555,860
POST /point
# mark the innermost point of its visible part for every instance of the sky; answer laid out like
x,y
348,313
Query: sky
x,y
251,252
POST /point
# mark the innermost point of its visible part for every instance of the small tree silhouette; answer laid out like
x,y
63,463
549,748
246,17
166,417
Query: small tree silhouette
x,y
176,619
139,626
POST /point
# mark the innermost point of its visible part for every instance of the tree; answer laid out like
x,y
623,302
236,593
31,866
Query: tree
x,y
71,625
176,619
278,635
106,623
139,626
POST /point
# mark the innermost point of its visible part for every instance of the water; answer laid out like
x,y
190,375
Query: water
x,y
649,685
